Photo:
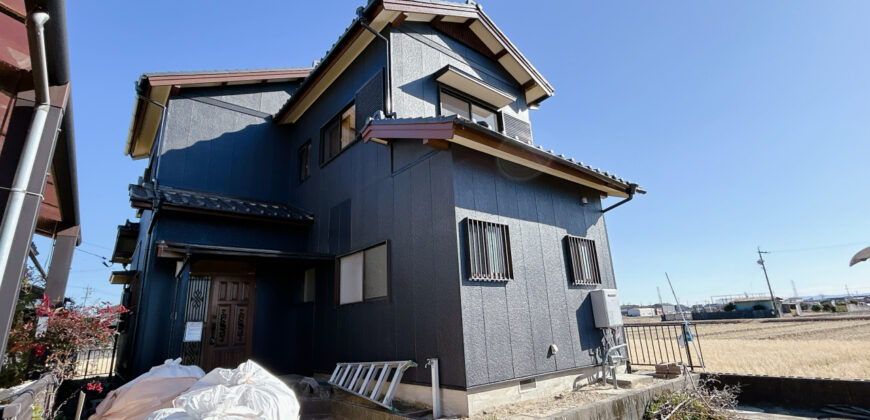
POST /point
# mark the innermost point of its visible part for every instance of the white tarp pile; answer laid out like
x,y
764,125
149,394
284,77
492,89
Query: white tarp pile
x,y
244,393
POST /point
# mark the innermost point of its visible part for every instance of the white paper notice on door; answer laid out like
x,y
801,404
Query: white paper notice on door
x,y
192,331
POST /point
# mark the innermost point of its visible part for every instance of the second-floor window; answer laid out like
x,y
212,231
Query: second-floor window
x,y
452,104
338,134
305,161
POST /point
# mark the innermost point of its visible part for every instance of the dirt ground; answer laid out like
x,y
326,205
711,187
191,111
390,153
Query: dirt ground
x,y
818,346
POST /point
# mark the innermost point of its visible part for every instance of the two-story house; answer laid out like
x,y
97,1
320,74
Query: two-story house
x,y
388,204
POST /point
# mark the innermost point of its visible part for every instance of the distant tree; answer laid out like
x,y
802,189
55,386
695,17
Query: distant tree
x,y
729,307
805,306
828,307
816,307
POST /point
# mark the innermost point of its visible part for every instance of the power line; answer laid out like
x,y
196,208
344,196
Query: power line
x,y
105,260
97,245
817,247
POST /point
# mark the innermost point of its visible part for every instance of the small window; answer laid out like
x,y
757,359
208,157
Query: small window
x,y
489,253
305,161
455,105
308,286
363,275
338,134
584,260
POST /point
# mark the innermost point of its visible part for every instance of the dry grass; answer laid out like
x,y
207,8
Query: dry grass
x,y
830,347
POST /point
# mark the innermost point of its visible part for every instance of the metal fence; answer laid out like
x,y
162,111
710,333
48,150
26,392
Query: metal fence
x,y
98,362
651,344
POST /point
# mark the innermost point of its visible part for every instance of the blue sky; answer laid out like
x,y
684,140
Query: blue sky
x,y
747,122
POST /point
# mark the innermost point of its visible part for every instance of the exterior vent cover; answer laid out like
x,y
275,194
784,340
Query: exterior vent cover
x,y
516,128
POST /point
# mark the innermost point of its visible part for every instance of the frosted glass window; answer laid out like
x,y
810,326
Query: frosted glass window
x,y
375,277
351,282
451,105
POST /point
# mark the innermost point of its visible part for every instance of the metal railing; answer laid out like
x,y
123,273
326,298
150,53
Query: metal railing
x,y
651,344
97,362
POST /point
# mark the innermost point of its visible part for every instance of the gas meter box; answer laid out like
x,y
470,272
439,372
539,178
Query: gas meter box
x,y
605,308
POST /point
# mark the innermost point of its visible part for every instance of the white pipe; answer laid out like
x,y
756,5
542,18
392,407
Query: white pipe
x,y
436,388
15,203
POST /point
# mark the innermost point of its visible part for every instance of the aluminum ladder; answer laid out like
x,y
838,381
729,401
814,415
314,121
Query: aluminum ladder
x,y
358,379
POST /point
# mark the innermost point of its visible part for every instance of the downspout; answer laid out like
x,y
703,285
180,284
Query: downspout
x,y
23,173
631,190
388,89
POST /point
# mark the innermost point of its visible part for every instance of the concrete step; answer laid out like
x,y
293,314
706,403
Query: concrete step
x,y
630,380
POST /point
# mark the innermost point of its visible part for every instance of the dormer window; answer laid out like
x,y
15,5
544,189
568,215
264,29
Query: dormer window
x,y
452,104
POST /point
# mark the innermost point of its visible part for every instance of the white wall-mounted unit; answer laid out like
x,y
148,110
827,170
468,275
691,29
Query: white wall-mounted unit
x,y
605,308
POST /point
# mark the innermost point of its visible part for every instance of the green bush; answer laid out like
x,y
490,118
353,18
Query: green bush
x,y
729,307
816,307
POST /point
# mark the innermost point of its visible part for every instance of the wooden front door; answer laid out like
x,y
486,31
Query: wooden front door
x,y
228,333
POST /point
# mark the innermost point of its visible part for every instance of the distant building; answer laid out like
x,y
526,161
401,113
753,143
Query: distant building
x,y
753,304
668,309
646,311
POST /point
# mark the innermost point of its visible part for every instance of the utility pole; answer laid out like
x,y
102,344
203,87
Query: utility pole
x,y
88,290
661,303
776,307
794,289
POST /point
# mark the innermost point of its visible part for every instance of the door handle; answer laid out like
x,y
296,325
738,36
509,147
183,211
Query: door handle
x,y
211,339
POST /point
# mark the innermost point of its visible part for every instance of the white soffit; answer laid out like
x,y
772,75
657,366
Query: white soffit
x,y
476,88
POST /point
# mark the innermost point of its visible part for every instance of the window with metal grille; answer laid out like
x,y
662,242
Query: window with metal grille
x,y
489,251
584,260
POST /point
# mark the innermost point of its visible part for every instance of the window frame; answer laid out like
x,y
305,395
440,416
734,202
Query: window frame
x,y
471,101
484,252
336,119
575,261
313,299
337,297
307,149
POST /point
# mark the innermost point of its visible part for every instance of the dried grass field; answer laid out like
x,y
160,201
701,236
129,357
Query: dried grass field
x,y
829,347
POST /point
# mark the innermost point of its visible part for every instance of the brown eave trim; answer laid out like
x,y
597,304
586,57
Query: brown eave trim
x,y
447,130
430,8
318,73
432,130
247,76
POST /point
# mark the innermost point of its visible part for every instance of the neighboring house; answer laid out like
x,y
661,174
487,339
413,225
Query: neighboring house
x,y
279,221
38,187
644,311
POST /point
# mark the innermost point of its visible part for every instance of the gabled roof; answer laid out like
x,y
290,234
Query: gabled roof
x,y
380,13
153,91
145,195
438,131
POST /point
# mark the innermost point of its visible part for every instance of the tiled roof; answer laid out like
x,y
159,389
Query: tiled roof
x,y
142,195
537,148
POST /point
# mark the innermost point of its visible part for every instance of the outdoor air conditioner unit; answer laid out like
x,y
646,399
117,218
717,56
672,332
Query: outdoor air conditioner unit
x,y
605,308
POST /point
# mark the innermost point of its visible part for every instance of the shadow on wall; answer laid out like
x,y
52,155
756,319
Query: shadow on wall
x,y
252,161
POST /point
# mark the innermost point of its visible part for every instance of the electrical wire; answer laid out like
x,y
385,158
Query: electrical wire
x,y
778,251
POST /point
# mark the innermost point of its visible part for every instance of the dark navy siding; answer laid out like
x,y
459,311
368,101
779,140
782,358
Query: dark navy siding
x,y
359,200
209,146
419,51
509,326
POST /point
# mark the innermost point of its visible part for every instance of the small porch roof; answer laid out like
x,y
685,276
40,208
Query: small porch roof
x,y
145,195
438,132
167,249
